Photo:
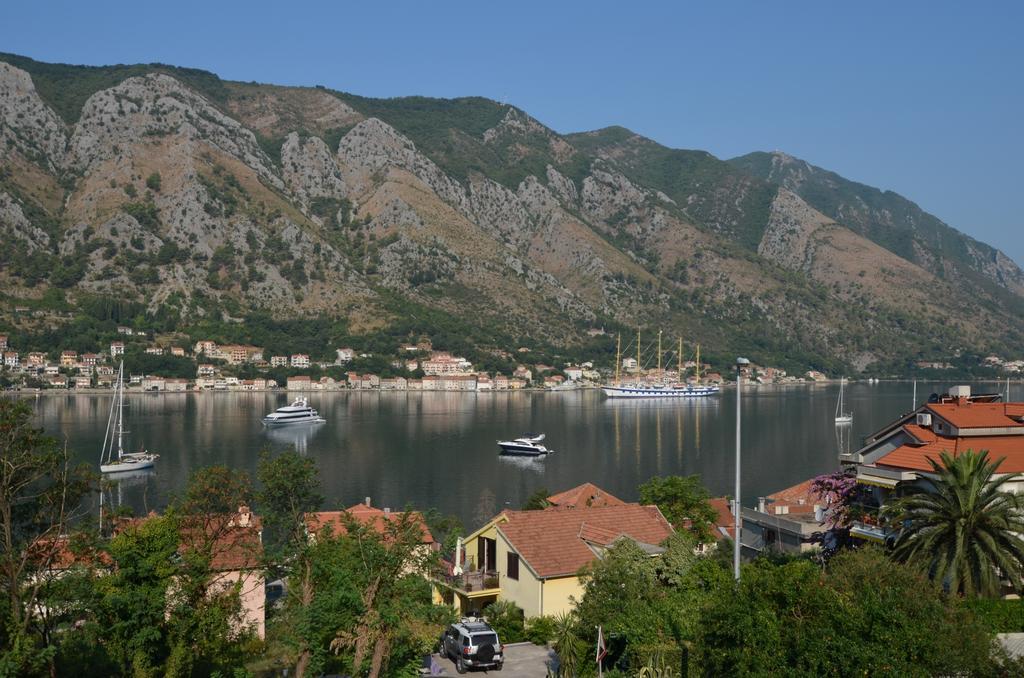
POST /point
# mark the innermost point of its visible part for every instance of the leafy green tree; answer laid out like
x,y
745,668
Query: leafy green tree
x,y
866,615
965,530
538,500
651,605
290,487
684,502
164,609
39,490
366,607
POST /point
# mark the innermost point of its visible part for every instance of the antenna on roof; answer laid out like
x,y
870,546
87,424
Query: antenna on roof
x,y
913,405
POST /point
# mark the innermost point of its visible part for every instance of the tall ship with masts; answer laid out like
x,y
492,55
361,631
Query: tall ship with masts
x,y
657,389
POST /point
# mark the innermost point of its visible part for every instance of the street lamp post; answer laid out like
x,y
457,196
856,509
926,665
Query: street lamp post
x,y
740,364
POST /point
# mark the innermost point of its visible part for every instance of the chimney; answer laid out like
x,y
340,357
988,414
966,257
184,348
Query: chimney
x,y
761,505
367,501
387,510
243,516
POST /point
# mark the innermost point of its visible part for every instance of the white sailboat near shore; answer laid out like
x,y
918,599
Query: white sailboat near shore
x,y
113,439
842,416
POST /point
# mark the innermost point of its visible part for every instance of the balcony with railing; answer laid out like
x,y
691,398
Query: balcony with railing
x,y
867,524
476,583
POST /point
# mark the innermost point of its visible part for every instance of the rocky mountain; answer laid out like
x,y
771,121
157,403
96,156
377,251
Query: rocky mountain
x,y
204,204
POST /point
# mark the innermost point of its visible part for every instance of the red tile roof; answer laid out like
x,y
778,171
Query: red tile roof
x,y
585,495
799,498
234,540
969,414
725,518
553,542
374,518
59,553
915,457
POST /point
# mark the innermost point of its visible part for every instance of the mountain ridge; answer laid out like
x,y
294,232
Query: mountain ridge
x,y
218,199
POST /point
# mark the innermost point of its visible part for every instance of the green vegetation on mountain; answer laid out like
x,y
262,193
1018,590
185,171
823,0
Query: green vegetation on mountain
x,y
66,87
708,190
193,208
887,218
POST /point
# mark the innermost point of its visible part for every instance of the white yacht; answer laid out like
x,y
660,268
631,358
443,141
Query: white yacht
x,y
527,446
299,412
113,439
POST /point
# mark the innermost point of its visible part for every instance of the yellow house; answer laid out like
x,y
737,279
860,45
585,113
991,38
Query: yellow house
x,y
532,558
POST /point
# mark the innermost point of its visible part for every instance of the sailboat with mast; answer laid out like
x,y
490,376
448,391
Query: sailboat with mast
x,y
842,416
113,458
663,389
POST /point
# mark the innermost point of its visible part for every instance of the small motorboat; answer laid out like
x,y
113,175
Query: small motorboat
x,y
526,446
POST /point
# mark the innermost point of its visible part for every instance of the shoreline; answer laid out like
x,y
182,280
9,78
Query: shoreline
x,y
582,387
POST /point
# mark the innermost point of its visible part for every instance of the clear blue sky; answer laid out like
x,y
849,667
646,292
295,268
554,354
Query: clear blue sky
x,y
923,98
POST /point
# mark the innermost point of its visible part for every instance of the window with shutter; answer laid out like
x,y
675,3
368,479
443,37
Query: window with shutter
x,y
512,566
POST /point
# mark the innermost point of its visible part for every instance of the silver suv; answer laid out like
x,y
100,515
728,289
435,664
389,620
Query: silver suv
x,y
472,643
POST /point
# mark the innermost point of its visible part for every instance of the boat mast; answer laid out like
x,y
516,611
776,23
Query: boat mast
x,y
697,368
618,357
679,357
659,353
638,364
120,411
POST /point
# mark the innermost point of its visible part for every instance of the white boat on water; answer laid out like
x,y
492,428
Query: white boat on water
x,y
299,412
526,446
659,391
842,416
662,390
113,439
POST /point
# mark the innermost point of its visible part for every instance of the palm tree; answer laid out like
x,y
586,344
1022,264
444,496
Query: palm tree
x,y
966,530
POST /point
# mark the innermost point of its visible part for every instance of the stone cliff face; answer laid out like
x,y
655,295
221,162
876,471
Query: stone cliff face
x,y
27,125
295,202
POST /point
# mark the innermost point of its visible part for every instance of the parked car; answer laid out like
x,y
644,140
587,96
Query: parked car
x,y
472,643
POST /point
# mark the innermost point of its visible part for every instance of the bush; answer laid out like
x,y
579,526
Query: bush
x,y
998,615
541,630
507,619
153,182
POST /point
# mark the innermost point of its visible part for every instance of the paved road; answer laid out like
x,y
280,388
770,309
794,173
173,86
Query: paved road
x,y
522,660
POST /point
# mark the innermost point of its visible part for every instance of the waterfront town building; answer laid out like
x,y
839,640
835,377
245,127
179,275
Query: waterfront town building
x,y
899,454
788,521
300,360
116,348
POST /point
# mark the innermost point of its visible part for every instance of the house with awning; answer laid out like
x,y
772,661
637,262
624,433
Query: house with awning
x,y
534,558
899,455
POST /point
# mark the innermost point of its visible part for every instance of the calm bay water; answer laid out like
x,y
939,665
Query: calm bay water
x,y
438,449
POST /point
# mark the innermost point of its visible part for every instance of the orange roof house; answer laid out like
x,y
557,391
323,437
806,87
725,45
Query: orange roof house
x,y
957,423
534,558
372,517
235,546
900,454
724,524
586,495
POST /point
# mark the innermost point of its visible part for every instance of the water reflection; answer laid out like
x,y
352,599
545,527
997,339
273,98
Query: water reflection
x,y
296,437
529,464
437,449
